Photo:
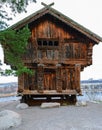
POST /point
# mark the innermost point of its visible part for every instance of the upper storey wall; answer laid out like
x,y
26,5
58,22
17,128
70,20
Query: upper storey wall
x,y
46,28
72,47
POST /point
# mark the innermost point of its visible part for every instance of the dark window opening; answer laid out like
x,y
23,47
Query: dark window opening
x,y
50,43
47,42
44,43
39,43
55,43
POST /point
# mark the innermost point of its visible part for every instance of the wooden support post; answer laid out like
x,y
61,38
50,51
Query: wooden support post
x,y
40,78
58,78
20,83
89,54
77,77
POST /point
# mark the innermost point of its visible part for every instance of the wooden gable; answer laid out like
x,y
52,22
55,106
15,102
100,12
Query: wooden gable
x,y
57,17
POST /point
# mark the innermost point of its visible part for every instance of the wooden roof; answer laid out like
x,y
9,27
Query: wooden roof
x,y
68,21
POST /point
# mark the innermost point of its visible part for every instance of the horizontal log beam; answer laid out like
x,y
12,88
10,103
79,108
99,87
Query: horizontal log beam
x,y
49,92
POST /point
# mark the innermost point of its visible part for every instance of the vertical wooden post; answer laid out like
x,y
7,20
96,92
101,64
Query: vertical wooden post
x,y
21,83
61,41
35,78
77,78
68,79
58,78
34,49
40,78
89,54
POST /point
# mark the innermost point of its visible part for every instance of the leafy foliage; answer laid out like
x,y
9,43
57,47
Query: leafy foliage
x,y
14,44
16,6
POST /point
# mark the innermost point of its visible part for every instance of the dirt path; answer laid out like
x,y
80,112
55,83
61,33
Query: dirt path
x,y
62,118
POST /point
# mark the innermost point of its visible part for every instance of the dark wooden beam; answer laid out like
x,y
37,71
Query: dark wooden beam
x,y
47,6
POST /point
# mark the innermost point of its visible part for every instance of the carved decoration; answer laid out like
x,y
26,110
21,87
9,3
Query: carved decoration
x,y
58,78
40,77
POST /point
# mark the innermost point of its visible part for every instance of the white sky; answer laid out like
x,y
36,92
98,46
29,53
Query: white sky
x,y
86,13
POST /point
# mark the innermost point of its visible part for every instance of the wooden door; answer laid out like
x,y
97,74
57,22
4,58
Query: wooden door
x,y
49,79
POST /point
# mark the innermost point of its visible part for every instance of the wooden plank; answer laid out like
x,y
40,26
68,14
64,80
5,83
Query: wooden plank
x,y
50,92
77,78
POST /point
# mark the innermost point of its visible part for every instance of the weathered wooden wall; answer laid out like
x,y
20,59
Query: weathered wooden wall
x,y
59,53
71,44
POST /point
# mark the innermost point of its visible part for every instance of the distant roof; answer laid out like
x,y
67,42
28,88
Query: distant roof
x,y
49,10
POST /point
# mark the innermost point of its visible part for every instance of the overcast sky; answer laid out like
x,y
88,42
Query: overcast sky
x,y
86,13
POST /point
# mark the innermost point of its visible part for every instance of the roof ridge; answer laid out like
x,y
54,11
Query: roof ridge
x,y
62,17
79,25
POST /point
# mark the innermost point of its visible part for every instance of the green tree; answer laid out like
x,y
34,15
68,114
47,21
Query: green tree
x,y
16,6
14,42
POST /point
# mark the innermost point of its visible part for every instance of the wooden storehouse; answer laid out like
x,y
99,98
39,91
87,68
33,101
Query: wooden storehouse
x,y
58,50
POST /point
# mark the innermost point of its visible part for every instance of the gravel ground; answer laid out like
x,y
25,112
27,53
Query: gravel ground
x,y
62,118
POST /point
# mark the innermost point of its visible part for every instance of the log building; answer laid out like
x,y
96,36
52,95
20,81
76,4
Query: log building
x,y
58,50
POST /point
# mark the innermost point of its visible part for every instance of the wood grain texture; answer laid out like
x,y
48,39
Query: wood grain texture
x,y
56,53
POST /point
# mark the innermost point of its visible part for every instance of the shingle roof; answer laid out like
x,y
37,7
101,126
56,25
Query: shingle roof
x,y
61,17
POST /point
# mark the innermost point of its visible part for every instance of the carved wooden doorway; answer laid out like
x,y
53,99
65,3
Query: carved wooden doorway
x,y
49,79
